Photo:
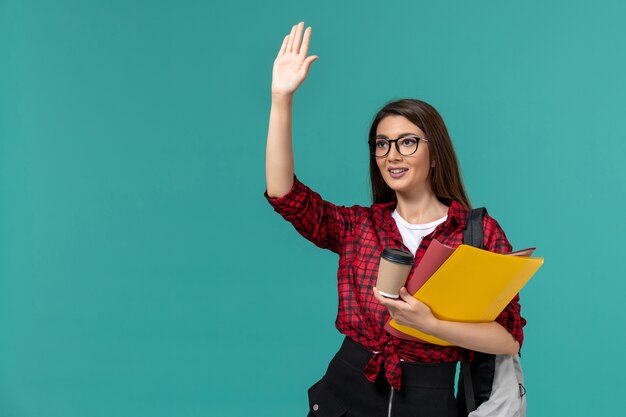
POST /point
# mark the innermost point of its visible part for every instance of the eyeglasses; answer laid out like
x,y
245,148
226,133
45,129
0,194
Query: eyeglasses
x,y
406,145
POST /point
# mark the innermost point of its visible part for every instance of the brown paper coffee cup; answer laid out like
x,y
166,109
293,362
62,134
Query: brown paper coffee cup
x,y
393,271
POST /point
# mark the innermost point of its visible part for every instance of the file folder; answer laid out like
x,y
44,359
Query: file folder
x,y
465,284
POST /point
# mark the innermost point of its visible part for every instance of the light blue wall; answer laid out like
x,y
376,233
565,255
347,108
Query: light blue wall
x,y
142,273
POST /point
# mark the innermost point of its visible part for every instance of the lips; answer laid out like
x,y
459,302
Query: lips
x,y
396,172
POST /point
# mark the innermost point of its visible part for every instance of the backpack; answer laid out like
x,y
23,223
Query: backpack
x,y
492,385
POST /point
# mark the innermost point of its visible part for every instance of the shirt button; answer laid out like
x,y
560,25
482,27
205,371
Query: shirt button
x,y
316,407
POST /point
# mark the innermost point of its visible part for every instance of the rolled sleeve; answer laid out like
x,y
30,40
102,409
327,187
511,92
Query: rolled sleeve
x,y
290,203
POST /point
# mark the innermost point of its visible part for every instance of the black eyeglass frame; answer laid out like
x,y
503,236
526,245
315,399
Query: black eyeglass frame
x,y
372,144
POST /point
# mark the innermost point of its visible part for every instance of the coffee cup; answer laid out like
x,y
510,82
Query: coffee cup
x,y
393,271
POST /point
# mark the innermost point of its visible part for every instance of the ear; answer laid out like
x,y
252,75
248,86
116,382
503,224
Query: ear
x,y
432,164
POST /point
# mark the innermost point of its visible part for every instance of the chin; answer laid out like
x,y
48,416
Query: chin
x,y
405,187
397,185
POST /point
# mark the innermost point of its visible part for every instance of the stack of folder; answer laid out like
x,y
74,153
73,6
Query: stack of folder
x,y
465,284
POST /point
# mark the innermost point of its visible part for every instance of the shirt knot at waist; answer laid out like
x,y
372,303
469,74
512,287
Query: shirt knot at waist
x,y
387,358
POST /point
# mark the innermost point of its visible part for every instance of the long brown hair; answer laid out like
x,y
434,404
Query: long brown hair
x,y
445,177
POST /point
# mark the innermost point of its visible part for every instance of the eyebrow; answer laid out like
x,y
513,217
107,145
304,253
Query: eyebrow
x,y
401,135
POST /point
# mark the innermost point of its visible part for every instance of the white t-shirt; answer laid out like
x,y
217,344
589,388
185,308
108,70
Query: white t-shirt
x,y
412,234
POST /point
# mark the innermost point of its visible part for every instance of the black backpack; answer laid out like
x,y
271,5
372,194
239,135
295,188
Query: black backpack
x,y
476,379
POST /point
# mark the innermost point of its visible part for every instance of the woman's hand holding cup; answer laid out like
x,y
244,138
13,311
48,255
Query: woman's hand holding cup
x,y
409,311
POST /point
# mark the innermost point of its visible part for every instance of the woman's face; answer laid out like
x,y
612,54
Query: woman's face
x,y
406,175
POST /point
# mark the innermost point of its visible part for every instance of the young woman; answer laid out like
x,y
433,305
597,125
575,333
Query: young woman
x,y
418,196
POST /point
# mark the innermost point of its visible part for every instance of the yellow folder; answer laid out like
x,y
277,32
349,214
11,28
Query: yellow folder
x,y
472,285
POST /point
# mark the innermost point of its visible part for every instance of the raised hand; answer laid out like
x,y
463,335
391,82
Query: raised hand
x,y
291,65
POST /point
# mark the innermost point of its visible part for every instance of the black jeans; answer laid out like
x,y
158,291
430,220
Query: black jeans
x,y
427,390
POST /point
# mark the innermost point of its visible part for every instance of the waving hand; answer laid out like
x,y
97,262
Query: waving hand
x,y
292,64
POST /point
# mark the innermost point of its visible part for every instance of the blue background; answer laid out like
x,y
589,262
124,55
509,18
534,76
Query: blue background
x,y
142,273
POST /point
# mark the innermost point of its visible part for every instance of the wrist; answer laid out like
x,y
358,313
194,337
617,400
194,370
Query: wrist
x,y
282,98
433,327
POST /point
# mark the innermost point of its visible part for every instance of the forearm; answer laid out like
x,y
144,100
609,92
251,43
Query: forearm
x,y
279,164
481,337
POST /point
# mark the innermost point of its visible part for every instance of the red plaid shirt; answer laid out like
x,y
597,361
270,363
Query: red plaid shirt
x,y
358,235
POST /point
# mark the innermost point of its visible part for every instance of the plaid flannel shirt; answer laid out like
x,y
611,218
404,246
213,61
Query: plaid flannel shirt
x,y
358,235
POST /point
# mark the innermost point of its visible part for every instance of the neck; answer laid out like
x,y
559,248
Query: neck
x,y
419,208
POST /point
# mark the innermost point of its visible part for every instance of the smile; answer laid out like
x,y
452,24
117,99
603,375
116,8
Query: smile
x,y
396,173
